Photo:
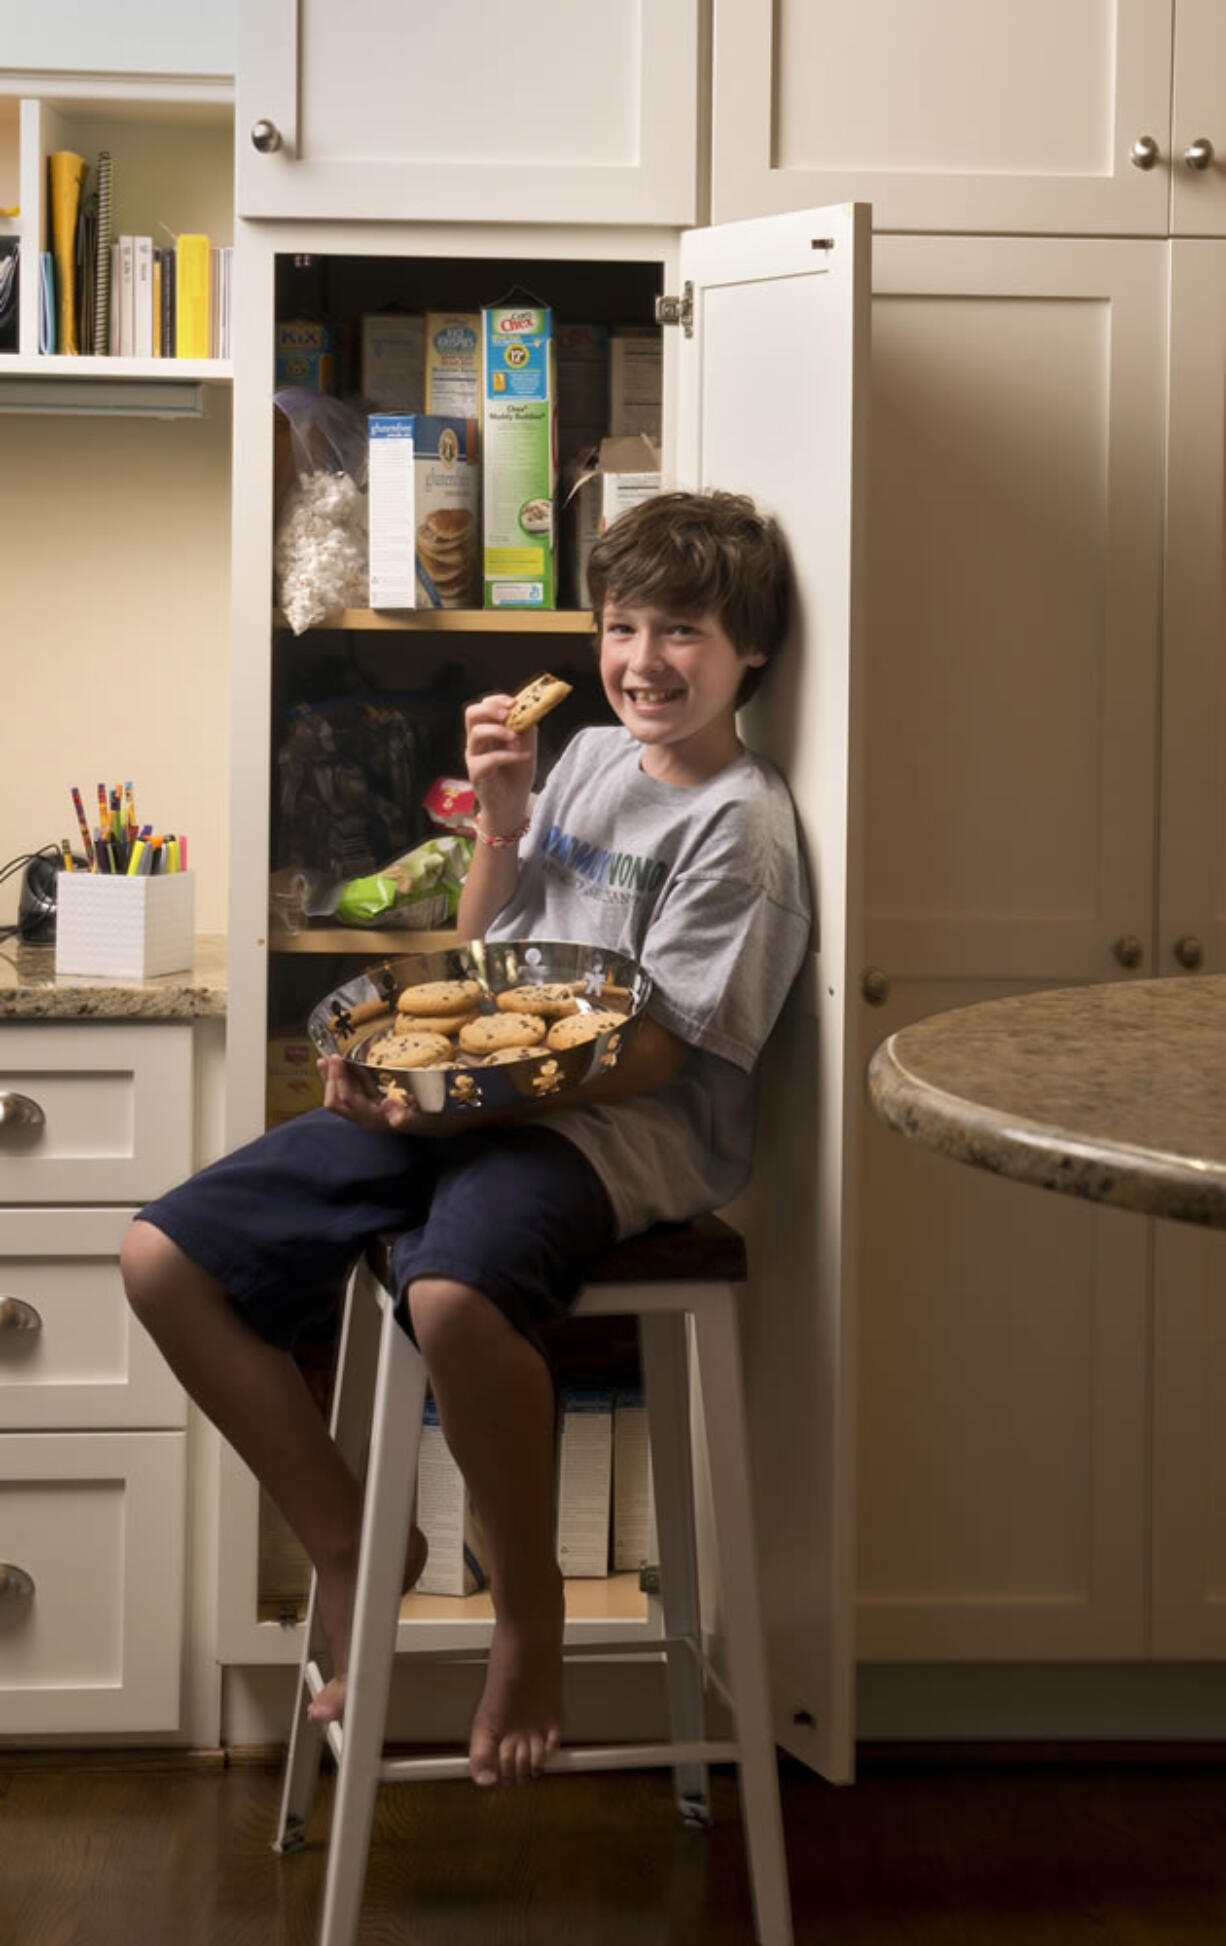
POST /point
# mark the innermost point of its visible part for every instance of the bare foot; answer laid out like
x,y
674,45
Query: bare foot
x,y
335,1596
518,1722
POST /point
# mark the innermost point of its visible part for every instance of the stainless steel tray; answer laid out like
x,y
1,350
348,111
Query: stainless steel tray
x,y
350,1019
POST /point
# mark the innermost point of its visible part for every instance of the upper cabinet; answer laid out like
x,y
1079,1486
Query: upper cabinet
x,y
981,115
571,111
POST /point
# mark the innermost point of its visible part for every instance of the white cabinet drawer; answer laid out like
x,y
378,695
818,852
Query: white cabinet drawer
x,y
91,1626
112,1118
71,1352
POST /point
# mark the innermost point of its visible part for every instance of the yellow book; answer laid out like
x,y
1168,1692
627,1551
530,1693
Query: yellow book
x,y
192,297
66,173
159,349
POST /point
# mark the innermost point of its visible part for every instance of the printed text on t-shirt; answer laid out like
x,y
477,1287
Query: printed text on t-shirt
x,y
610,875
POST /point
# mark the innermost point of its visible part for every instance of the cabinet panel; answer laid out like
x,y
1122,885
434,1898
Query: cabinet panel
x,y
1198,195
1014,612
95,1521
955,115
115,1112
1002,1404
1192,903
576,111
1189,1532
72,1353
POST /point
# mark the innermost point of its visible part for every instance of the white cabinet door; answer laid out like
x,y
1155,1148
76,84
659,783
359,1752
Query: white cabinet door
x,y
1189,1440
771,402
1013,667
91,1624
951,115
1015,604
1198,174
570,111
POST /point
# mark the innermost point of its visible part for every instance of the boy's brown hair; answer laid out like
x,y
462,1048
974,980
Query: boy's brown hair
x,y
700,554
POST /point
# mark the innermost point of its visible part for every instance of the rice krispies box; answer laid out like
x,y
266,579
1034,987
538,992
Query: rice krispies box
x,y
520,455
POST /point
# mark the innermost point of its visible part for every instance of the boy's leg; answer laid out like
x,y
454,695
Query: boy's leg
x,y
496,1405
259,1400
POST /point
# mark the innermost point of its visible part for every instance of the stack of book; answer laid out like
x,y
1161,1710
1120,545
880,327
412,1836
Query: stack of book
x,y
104,294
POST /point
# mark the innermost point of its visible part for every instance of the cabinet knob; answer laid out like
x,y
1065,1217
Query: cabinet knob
x,y
875,986
1144,152
1128,949
19,1111
266,137
1199,154
1188,950
18,1316
15,1583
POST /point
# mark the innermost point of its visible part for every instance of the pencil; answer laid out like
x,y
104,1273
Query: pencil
x,y
83,827
66,853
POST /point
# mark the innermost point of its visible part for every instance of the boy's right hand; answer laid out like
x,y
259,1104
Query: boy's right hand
x,y
501,764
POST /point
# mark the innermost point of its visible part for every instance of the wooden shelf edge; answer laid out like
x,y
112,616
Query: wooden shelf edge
x,y
469,621
392,944
214,371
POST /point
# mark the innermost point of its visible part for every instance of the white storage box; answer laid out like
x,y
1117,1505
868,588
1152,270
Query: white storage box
x,y
124,928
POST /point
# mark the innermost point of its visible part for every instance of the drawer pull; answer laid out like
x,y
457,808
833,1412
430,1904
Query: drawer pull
x,y
15,1583
19,1111
16,1315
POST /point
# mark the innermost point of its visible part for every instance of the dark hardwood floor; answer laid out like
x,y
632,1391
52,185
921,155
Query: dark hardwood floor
x,y
141,1851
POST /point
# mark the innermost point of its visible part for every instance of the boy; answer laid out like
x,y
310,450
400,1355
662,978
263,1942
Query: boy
x,y
661,838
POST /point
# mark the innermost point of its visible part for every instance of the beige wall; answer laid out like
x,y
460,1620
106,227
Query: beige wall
x,y
114,629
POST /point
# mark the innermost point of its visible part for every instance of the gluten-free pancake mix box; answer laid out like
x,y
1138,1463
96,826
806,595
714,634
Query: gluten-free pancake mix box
x,y
424,503
519,455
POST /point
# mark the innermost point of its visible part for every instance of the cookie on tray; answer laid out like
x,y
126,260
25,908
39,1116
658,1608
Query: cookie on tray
x,y
551,1002
435,997
433,1023
410,1051
489,1032
578,1028
501,1056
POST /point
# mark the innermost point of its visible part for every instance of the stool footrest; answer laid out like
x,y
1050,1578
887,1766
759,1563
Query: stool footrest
x,y
614,1756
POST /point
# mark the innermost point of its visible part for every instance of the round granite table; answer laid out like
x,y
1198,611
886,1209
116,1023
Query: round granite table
x,y
1116,1092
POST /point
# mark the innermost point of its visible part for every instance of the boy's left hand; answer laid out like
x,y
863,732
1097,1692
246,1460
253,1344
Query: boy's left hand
x,y
354,1097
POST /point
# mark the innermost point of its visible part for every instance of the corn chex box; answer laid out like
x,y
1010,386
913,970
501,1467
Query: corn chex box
x,y
424,509
520,440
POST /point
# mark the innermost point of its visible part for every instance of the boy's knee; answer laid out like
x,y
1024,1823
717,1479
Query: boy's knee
x,y
439,1307
148,1262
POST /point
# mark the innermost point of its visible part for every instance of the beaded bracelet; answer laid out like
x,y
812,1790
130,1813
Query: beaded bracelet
x,y
501,843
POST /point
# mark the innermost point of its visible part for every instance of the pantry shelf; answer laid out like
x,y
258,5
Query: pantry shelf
x,y
617,1597
468,621
390,944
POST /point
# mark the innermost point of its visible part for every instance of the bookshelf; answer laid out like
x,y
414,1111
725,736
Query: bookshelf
x,y
172,151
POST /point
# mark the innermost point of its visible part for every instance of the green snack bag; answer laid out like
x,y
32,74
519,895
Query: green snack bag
x,y
420,890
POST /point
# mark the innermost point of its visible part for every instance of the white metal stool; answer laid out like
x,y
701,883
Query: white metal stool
x,y
662,1278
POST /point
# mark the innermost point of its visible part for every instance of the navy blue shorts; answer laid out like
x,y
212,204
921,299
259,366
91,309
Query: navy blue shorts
x,y
517,1212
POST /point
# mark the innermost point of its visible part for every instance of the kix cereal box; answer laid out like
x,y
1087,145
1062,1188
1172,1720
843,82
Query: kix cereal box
x,y
453,363
520,452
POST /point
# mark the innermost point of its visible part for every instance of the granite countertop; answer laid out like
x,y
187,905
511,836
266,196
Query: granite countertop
x,y
29,989
1111,1092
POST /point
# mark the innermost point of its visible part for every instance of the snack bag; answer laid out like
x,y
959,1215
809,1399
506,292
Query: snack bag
x,y
420,890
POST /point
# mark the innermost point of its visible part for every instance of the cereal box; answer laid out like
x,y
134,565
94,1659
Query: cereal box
x,y
424,498
636,360
520,442
393,362
453,363
306,355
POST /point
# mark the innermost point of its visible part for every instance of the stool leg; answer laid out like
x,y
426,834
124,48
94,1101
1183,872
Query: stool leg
x,y
352,1393
719,1369
667,1387
390,1482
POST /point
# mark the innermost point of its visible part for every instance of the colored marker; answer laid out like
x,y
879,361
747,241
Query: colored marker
x,y
66,853
83,826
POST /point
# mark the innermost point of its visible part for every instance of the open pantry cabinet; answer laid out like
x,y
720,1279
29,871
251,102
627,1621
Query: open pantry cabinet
x,y
763,383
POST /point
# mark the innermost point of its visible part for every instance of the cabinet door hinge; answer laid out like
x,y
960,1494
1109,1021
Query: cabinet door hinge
x,y
678,310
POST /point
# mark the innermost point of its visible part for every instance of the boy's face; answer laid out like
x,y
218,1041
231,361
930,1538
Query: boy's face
x,y
672,679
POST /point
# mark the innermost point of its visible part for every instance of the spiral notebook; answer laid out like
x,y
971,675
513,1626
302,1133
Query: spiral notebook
x,y
100,341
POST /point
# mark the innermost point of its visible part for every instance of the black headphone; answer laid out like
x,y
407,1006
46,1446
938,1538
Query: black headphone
x,y
35,922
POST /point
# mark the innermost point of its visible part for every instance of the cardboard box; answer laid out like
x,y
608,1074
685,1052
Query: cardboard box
x,y
634,1510
583,385
445,1515
424,492
621,473
636,366
306,355
393,362
124,928
585,1482
519,434
453,363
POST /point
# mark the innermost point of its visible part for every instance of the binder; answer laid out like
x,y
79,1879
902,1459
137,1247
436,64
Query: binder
x,y
67,173
192,297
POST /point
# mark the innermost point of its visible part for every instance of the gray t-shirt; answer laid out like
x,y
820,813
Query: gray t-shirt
x,y
704,886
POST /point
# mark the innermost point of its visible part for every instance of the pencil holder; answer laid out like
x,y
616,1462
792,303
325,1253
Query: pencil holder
x,y
124,928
